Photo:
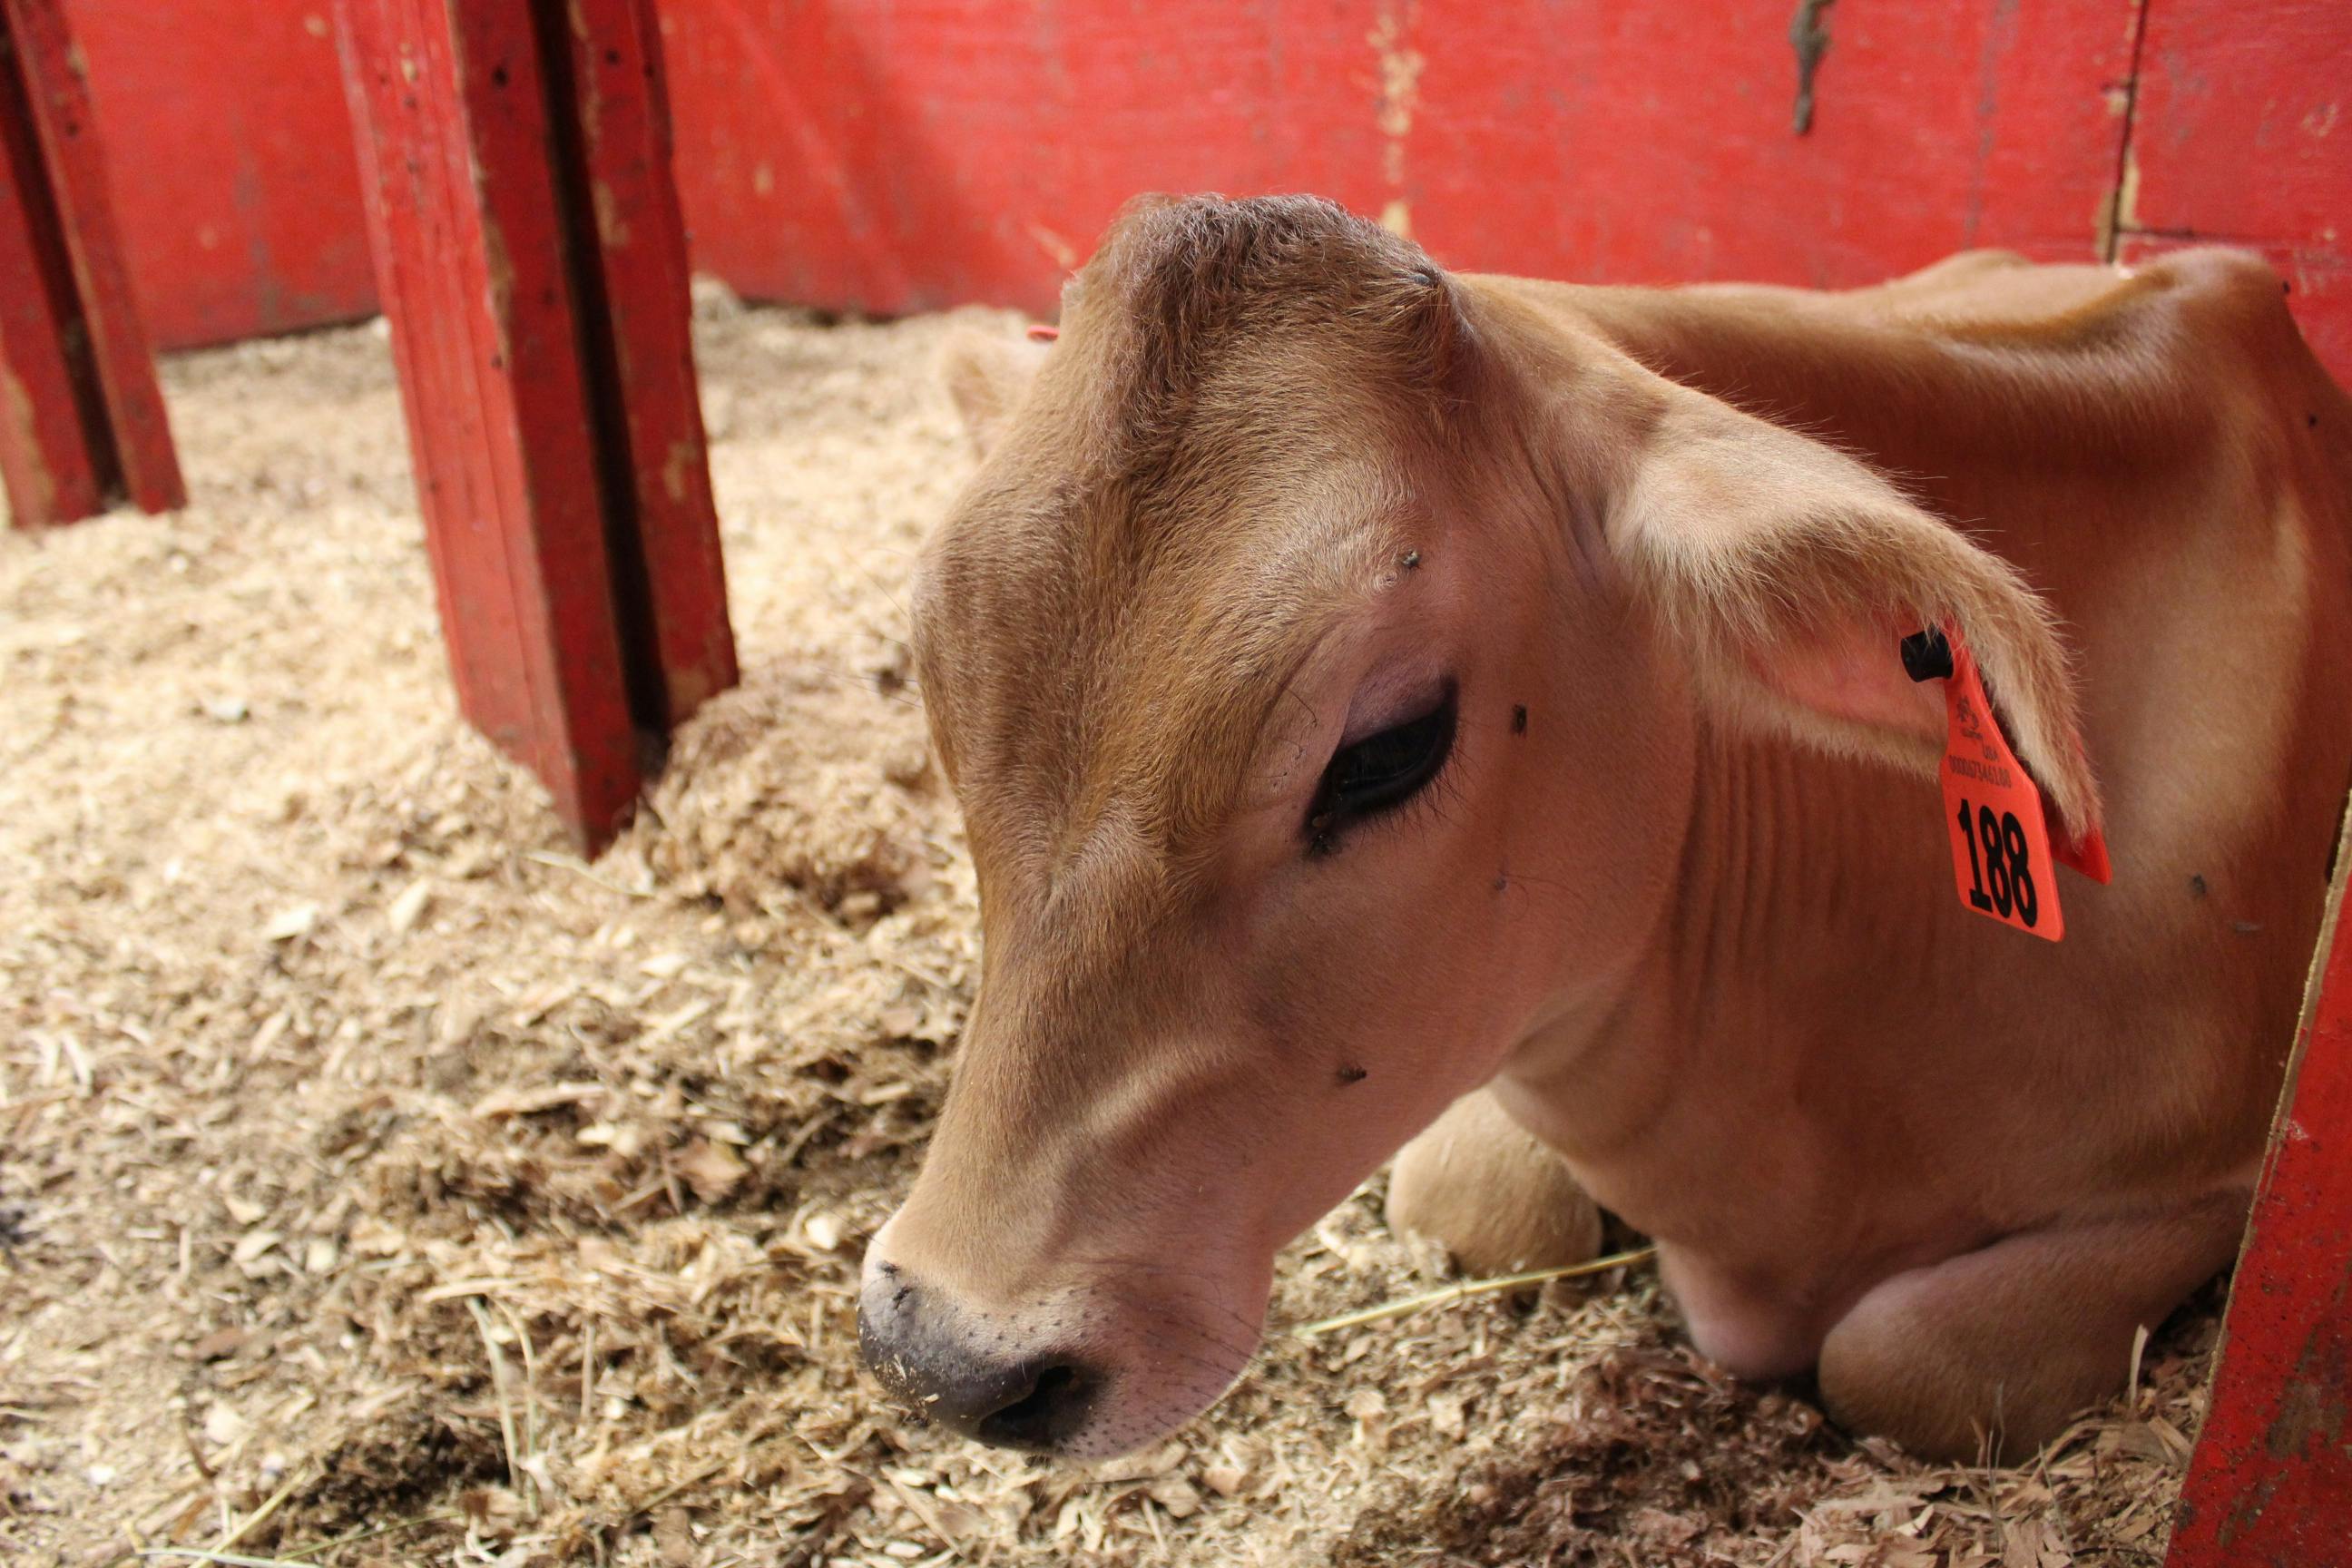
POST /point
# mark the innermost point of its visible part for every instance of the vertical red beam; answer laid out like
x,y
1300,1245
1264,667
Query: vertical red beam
x,y
550,392
2269,1485
617,85
81,417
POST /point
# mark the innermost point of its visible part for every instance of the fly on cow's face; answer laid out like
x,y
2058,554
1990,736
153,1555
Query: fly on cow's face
x,y
1381,772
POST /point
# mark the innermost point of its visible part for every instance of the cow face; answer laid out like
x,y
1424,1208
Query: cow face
x,y
1317,744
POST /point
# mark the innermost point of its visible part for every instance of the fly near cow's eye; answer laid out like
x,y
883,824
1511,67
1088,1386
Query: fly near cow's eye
x,y
1380,772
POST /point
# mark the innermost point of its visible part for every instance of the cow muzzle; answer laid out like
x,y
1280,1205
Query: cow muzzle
x,y
1005,1383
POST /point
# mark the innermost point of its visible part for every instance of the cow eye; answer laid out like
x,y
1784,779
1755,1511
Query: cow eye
x,y
1380,772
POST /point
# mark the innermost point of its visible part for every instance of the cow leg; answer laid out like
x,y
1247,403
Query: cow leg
x,y
1497,1198
1995,1350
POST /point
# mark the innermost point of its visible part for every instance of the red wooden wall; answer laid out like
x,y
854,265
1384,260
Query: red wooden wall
x,y
2242,133
235,181
943,154
896,155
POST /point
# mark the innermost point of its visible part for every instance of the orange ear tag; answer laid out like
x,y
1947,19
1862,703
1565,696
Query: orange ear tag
x,y
2002,855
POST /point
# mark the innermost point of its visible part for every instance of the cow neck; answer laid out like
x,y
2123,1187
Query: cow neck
x,y
1784,919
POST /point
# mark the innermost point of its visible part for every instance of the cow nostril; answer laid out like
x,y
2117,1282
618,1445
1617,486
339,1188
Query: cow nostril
x,y
1052,1407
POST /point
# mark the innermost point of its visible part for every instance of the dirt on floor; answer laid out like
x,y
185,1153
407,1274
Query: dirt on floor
x,y
381,1184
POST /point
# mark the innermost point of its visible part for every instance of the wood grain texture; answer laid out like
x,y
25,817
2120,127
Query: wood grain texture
x,y
46,458
532,258
942,153
670,582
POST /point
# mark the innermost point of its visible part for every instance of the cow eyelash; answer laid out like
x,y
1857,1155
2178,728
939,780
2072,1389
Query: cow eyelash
x,y
1380,773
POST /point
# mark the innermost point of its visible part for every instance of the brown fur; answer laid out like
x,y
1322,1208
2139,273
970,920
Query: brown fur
x,y
1681,901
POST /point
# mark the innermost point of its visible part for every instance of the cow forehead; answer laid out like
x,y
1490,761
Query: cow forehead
x,y
1210,470
1082,665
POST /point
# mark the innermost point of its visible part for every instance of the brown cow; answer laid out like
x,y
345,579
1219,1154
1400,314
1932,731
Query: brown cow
x,y
1368,687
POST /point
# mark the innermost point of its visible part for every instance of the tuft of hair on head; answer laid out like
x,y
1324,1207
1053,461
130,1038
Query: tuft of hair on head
x,y
1197,274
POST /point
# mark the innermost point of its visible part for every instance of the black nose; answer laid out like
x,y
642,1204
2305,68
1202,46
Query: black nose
x,y
1044,1414
965,1375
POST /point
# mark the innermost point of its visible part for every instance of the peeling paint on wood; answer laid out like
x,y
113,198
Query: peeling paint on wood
x,y
1809,35
237,187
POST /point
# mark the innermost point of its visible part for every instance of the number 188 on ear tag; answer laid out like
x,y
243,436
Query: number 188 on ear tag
x,y
1992,812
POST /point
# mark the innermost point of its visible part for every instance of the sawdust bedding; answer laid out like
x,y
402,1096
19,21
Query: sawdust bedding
x,y
378,1183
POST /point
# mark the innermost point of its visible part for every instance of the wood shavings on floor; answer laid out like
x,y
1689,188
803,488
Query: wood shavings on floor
x,y
380,1184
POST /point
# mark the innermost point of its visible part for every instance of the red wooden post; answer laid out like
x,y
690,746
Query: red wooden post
x,y
2269,1485
532,259
617,83
81,418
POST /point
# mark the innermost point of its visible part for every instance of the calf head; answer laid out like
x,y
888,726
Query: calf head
x,y
1318,657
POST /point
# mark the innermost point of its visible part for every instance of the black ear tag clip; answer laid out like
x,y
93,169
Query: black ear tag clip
x,y
1927,656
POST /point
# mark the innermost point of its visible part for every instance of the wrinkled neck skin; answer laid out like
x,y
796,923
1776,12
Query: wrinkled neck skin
x,y
1697,1084
1689,1062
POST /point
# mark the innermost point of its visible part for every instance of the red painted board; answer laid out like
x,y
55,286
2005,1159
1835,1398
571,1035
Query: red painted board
x,y
2270,1484
2243,125
46,462
670,582
450,101
237,188
1653,144
125,432
898,154
904,153
908,153
2242,133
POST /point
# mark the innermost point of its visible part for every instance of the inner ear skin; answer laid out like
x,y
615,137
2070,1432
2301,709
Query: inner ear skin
x,y
1854,672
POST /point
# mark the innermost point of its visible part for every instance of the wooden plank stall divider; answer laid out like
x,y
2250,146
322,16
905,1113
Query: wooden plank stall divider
x,y
2237,135
52,474
82,424
675,606
2270,1482
522,354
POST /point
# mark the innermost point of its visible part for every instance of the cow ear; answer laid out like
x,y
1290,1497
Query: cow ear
x,y
1790,574
986,375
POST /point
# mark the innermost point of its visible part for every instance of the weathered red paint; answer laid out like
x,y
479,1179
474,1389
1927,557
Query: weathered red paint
x,y
2241,131
950,150
237,185
900,154
675,584
51,473
2242,134
517,348
2271,1483
81,418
